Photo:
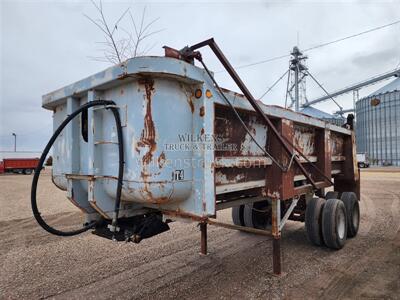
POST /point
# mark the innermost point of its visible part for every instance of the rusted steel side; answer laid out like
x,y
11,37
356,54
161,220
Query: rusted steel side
x,y
230,133
238,175
308,188
239,162
337,144
349,179
279,183
315,143
324,154
253,102
304,139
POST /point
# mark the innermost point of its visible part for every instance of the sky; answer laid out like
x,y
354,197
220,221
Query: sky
x,y
45,45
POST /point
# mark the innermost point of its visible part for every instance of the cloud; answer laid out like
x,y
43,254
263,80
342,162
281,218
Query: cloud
x,y
46,45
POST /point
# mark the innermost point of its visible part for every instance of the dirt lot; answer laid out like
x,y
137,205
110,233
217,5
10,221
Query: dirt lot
x,y
35,264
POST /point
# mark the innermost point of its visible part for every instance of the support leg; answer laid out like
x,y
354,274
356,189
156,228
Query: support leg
x,y
276,256
276,233
203,242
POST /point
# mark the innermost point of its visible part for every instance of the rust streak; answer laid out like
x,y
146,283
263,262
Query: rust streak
x,y
202,111
148,137
190,101
161,160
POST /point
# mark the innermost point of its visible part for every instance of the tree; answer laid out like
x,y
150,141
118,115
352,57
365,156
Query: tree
x,y
119,45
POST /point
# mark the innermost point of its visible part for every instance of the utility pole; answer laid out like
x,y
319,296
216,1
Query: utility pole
x,y
15,142
298,72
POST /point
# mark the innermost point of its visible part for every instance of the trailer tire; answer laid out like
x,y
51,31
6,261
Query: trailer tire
x,y
237,215
313,219
334,224
332,195
27,171
353,213
258,214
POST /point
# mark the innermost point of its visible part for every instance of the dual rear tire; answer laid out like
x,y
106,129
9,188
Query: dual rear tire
x,y
313,220
237,215
334,224
328,221
352,211
255,215
332,221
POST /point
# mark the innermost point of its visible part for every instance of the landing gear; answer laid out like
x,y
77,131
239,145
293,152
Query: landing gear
x,y
261,216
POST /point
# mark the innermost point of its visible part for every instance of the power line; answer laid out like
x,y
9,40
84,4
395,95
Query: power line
x,y
263,61
352,36
316,46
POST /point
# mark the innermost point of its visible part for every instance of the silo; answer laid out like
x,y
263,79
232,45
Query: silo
x,y
378,125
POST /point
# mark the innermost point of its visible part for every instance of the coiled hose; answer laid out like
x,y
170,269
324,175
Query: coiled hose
x,y
36,213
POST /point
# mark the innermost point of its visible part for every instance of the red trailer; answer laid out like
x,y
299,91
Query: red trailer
x,y
18,165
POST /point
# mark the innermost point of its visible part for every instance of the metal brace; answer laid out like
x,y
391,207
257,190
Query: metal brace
x,y
288,213
291,161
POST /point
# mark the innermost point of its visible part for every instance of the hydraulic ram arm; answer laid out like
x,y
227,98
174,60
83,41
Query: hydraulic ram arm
x,y
229,68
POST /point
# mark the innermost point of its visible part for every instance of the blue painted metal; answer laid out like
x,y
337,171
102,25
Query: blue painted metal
x,y
168,134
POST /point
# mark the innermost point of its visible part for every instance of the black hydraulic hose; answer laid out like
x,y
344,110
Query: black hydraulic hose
x,y
35,210
120,169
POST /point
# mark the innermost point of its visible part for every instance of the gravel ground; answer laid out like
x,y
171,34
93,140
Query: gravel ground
x,y
35,264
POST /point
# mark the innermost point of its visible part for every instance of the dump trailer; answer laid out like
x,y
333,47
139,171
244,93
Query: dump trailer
x,y
19,165
156,139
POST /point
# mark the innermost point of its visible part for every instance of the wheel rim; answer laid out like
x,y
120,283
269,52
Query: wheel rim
x,y
341,226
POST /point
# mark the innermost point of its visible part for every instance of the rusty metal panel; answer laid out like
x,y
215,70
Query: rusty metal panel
x,y
280,184
304,139
240,162
232,137
337,144
324,154
350,177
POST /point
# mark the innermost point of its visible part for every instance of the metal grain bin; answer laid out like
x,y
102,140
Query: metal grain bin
x,y
378,125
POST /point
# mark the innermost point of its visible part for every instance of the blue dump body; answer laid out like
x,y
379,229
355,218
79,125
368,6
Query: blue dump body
x,y
170,140
186,154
